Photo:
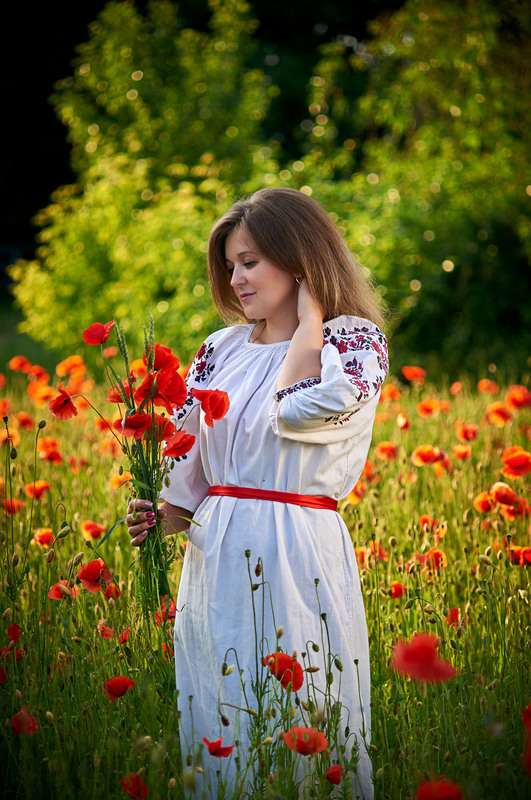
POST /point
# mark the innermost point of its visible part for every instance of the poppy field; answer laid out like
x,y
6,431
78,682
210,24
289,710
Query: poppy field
x,y
442,531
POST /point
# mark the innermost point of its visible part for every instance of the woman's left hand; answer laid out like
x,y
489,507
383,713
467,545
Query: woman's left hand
x,y
307,305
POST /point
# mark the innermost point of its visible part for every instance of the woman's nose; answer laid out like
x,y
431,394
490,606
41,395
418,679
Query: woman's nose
x,y
237,277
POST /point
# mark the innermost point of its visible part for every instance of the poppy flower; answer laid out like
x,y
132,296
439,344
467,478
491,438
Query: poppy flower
x,y
498,414
520,556
12,506
138,368
3,676
62,406
5,407
402,421
483,502
92,573
389,392
23,723
56,593
162,428
167,610
517,462
439,790
386,451
163,358
110,352
179,444
64,368
425,454
43,537
427,407
112,591
104,630
116,481
37,489
216,749
418,659
91,530
19,364
465,431
453,617
214,403
40,393
359,491
117,687
488,386
435,559
427,523
502,493
397,590
12,439
456,388
376,551
116,396
166,388
135,786
124,636
14,632
520,509
25,421
414,374
286,669
462,451
97,333
517,397
333,774
134,425
306,741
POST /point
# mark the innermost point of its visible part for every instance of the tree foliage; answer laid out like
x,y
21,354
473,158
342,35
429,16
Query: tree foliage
x,y
417,140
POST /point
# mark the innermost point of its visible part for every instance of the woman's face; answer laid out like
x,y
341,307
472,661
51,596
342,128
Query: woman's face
x,y
264,290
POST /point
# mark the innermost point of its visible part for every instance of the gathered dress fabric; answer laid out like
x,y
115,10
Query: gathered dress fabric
x,y
311,438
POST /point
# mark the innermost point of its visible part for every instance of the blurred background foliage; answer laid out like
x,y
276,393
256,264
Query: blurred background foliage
x,y
416,139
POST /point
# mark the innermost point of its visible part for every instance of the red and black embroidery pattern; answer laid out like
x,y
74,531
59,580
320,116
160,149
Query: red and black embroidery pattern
x,y
361,339
201,368
295,387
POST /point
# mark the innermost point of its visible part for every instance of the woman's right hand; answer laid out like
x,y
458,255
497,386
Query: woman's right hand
x,y
140,518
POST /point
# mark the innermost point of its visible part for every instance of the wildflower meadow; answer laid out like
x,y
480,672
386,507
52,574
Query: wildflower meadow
x,y
441,528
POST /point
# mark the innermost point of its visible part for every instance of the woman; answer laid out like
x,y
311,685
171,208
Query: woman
x,y
303,377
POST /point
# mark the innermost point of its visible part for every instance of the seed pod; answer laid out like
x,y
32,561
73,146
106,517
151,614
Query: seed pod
x,y
409,603
78,558
280,632
65,530
484,559
49,555
15,560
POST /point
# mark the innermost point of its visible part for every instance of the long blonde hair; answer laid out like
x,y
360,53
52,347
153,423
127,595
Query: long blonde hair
x,y
294,232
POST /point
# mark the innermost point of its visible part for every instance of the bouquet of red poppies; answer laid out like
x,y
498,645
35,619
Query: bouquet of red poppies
x,y
149,439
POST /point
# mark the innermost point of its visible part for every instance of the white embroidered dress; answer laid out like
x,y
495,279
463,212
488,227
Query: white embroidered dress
x,y
311,438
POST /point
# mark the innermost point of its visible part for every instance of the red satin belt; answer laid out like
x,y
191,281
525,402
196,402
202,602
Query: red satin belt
x,y
312,501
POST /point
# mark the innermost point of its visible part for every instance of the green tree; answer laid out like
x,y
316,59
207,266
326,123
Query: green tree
x,y
163,123
427,172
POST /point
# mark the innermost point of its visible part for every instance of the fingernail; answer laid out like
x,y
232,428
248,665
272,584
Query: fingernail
x,y
150,515
152,522
148,503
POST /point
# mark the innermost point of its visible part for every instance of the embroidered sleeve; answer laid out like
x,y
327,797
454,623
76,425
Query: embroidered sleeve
x,y
295,387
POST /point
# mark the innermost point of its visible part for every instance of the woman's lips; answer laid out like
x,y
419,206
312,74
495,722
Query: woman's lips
x,y
246,296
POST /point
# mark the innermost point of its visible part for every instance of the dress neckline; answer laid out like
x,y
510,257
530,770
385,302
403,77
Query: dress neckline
x,y
260,344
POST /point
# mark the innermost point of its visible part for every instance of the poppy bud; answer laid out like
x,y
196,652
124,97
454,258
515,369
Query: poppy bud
x,y
78,558
409,603
338,664
255,586
445,611
428,608
379,773
486,560
315,647
258,570
120,470
432,620
312,669
7,613
267,740
49,555
271,777
280,632
225,721
49,716
393,541
65,530
12,453
247,554
15,560
18,694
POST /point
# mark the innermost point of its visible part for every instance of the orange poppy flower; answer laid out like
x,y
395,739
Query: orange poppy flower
x,y
12,440
390,392
397,590
386,451
462,451
305,741
517,462
425,454
518,511
91,530
70,364
38,373
110,352
109,446
483,502
502,493
465,431
517,397
520,556
40,393
427,523
117,480
361,555
37,489
62,406
2,380
414,374
497,414
456,388
5,407
488,386
19,364
402,421
56,593
436,559
418,659
77,464
138,368
359,491
42,537
376,551
427,407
